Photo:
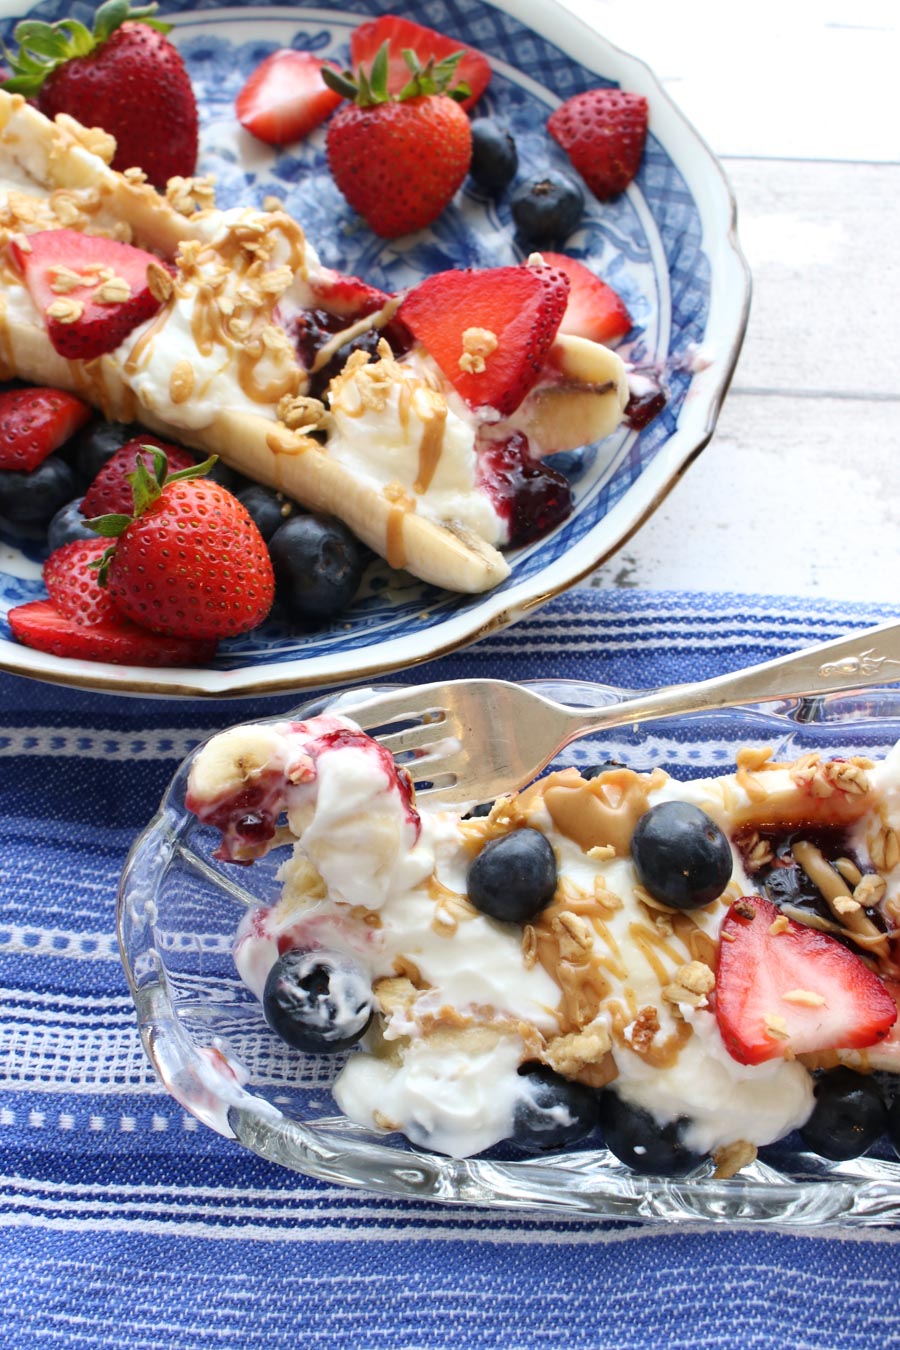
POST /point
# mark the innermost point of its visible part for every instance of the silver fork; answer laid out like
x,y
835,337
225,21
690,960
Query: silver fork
x,y
470,740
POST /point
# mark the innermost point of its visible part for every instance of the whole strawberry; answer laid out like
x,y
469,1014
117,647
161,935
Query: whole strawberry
x,y
124,76
603,132
190,562
399,159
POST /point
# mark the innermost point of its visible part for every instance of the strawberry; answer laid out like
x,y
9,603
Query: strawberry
x,y
71,577
74,280
769,986
124,76
34,423
403,35
594,310
285,98
603,132
111,490
40,624
489,331
190,562
347,297
398,159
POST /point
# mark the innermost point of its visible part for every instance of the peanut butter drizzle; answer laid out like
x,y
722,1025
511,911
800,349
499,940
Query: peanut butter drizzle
x,y
604,810
430,448
136,355
395,550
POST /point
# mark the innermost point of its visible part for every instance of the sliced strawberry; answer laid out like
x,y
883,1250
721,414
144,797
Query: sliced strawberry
x,y
594,310
39,624
111,493
34,423
348,297
489,331
285,97
603,132
474,68
74,585
794,991
74,280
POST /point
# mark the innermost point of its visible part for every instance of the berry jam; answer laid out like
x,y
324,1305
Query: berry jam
x,y
312,328
785,883
530,496
646,400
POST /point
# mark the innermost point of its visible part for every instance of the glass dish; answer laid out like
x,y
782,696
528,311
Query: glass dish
x,y
205,1034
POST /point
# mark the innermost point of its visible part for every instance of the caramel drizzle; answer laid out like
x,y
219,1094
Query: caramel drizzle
x,y
430,448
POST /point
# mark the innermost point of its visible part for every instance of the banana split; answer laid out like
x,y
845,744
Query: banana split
x,y
692,969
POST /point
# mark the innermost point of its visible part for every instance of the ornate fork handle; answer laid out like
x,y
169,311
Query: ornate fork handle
x,y
862,659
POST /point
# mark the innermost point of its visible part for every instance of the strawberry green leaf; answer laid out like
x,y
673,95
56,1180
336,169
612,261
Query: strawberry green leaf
x,y
109,527
102,563
145,489
195,471
342,83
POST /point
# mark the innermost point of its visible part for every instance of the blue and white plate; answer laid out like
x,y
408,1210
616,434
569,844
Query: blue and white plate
x,y
667,245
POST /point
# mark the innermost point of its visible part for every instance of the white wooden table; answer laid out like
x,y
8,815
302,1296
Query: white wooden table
x,y
799,491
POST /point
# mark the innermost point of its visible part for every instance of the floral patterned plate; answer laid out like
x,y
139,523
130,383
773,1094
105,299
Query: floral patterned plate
x,y
668,245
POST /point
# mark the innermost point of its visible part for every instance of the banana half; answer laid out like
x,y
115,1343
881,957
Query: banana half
x,y
216,370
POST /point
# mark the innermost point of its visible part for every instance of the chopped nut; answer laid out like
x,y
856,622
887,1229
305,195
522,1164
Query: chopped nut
x,y
745,909
696,976
529,946
478,344
190,195
94,139
644,1029
845,904
135,176
776,1027
277,280
779,925
732,1157
394,994
299,411
602,852
575,936
885,849
65,311
181,382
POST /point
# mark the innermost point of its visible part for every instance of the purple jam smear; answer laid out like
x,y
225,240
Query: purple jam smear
x,y
530,496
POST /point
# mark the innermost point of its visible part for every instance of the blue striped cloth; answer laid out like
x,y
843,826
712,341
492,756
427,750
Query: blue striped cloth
x,y
124,1222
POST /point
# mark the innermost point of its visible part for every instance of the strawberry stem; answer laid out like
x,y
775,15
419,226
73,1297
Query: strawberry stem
x,y
369,90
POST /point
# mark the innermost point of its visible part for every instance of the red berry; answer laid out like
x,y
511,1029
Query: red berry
x,y
134,85
402,35
793,990
100,322
603,132
34,423
193,564
285,98
594,309
510,314
110,493
74,585
41,625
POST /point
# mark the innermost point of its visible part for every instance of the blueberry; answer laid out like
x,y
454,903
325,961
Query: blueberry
x,y
32,499
267,508
633,1136
495,160
514,877
318,566
552,1112
605,766
546,209
68,525
680,855
318,1001
849,1115
482,809
95,443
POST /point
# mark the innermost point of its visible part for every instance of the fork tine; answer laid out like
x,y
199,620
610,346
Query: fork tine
x,y
421,736
396,705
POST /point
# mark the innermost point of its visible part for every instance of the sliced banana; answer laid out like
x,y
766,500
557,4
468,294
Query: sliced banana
x,y
584,405
231,760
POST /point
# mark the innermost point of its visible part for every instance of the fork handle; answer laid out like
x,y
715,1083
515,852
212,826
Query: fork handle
x,y
857,661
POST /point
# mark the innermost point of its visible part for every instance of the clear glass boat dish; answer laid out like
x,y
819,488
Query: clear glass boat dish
x,y
208,1042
